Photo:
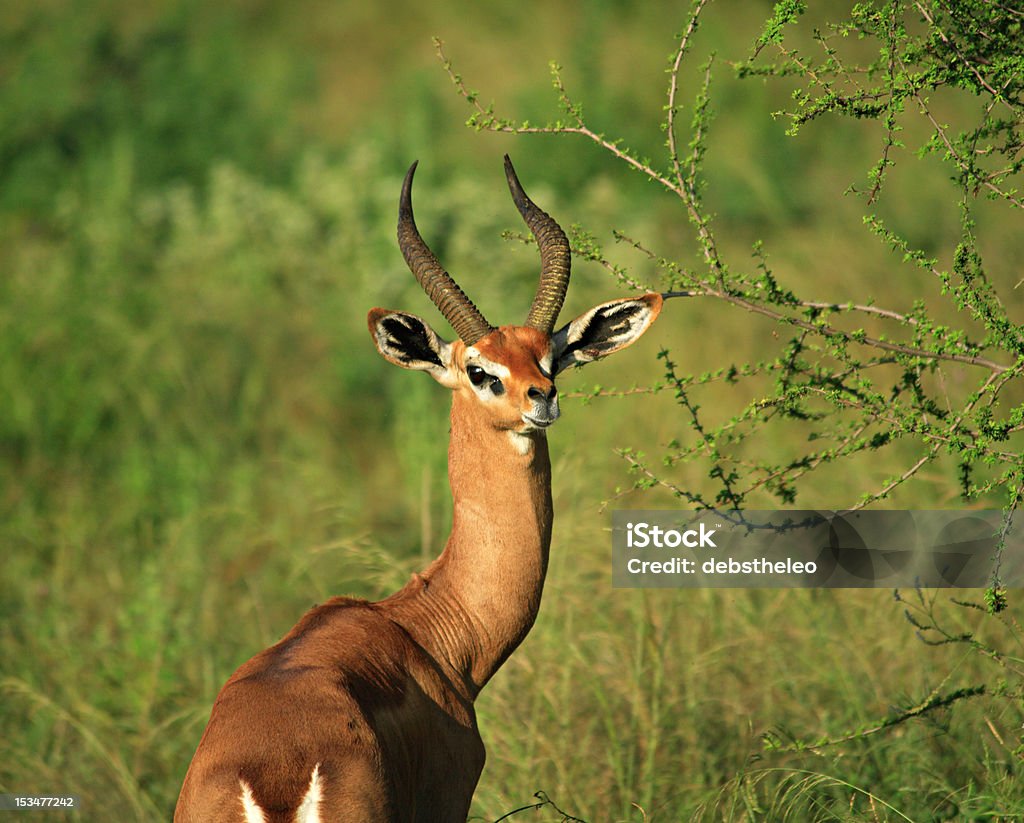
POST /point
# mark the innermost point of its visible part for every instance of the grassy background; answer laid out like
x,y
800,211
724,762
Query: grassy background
x,y
198,441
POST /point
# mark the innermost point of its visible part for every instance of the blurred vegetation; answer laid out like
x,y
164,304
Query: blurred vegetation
x,y
197,440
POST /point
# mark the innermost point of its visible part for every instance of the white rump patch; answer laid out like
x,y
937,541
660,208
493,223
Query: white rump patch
x,y
309,808
253,812
307,812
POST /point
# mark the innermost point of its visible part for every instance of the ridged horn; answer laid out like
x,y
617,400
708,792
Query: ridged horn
x,y
555,257
443,291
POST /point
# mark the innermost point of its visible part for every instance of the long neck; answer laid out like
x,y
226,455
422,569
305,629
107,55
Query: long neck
x,y
474,605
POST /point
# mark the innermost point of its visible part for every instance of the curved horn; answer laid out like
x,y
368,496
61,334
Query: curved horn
x,y
555,257
458,310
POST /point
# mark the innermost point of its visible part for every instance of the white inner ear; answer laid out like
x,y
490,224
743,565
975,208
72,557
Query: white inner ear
x,y
628,322
397,351
610,326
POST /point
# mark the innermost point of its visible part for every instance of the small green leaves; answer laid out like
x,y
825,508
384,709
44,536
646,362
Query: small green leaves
x,y
995,599
785,13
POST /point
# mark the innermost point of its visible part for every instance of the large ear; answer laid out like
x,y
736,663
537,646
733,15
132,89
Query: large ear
x,y
407,341
604,329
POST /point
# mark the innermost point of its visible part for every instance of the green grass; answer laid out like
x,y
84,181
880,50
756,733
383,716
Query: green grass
x,y
197,440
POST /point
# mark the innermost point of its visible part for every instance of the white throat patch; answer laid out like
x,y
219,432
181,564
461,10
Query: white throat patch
x,y
520,442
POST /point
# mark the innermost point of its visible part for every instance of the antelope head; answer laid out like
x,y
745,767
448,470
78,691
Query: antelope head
x,y
509,371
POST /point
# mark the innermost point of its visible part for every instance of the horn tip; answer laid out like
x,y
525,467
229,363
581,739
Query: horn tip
x,y
515,187
405,200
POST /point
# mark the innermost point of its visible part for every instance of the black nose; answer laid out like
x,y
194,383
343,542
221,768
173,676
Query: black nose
x,y
538,394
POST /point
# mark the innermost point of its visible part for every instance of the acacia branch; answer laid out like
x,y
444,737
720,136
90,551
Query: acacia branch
x,y
826,330
960,55
966,169
673,87
486,120
706,290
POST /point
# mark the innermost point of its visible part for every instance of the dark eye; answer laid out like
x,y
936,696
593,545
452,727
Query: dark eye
x,y
496,386
476,375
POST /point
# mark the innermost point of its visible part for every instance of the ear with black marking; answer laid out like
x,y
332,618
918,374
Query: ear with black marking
x,y
604,329
407,341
